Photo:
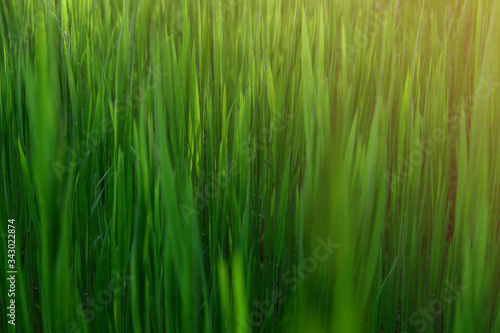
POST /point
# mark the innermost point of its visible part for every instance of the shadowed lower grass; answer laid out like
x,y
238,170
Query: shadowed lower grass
x,y
238,165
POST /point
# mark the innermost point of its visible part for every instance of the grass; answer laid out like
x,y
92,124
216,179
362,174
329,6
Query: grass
x,y
238,165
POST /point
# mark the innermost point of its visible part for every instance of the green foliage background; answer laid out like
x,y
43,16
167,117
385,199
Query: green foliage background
x,y
174,166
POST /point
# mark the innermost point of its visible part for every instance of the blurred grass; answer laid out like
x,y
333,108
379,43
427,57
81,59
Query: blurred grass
x,y
185,156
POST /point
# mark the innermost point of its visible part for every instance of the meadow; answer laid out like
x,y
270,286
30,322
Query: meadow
x,y
249,166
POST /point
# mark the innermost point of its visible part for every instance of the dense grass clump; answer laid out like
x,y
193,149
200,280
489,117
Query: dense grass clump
x,y
251,165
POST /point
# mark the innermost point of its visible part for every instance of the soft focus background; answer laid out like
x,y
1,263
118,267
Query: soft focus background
x,y
251,165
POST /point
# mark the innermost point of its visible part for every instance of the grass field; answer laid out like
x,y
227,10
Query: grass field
x,y
250,166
